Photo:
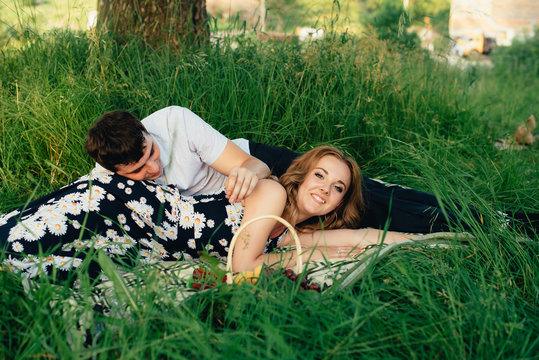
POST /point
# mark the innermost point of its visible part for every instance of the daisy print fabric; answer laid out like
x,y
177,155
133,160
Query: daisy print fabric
x,y
133,222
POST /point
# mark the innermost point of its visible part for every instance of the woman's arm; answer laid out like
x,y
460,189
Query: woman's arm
x,y
350,238
268,198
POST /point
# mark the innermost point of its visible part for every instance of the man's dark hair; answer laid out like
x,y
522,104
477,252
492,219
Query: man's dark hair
x,y
116,138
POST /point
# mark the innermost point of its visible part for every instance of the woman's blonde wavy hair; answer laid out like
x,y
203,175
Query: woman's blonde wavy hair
x,y
346,215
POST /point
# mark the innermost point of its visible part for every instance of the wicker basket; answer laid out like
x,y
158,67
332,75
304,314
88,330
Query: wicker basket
x,y
299,262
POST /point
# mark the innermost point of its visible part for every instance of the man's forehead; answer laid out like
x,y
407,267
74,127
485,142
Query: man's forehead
x,y
147,149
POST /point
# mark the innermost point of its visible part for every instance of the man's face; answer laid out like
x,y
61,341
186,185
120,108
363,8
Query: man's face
x,y
149,167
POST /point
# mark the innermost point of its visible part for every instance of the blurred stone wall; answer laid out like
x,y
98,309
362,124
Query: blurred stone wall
x,y
502,20
246,10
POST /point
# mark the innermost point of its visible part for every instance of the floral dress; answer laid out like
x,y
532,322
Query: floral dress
x,y
133,222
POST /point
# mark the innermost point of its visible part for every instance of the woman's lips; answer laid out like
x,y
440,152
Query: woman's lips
x,y
318,199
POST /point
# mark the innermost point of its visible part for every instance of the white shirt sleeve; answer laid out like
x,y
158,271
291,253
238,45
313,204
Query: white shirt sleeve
x,y
203,139
243,144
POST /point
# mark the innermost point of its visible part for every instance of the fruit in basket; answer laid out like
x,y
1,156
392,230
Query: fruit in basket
x,y
249,276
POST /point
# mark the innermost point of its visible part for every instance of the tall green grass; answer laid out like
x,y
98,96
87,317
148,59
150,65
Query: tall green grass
x,y
357,93
406,118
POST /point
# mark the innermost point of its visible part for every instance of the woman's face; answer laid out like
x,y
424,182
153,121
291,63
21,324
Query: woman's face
x,y
324,187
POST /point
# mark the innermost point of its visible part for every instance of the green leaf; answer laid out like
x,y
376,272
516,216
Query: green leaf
x,y
214,265
119,285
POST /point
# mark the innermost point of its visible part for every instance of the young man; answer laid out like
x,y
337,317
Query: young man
x,y
174,146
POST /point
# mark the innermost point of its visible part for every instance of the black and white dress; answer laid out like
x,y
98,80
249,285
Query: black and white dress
x,y
134,222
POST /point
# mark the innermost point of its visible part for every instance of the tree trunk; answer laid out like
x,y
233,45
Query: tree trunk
x,y
174,23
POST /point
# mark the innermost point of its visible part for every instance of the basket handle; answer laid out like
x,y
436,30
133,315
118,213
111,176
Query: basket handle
x,y
299,262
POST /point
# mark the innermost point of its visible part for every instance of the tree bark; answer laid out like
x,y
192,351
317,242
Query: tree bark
x,y
174,23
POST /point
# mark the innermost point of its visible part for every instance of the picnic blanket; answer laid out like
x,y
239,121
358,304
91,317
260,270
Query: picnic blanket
x,y
177,278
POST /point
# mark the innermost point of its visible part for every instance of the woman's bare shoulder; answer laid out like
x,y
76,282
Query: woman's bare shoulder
x,y
271,184
273,187
268,189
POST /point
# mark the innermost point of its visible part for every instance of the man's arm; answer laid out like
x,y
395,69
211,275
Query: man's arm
x,y
242,169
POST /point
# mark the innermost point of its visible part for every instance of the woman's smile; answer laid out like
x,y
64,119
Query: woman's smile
x,y
318,199
323,188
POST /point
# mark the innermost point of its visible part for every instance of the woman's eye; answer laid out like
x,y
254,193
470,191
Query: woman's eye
x,y
339,189
318,175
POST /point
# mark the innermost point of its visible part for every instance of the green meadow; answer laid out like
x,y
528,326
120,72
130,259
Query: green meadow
x,y
406,116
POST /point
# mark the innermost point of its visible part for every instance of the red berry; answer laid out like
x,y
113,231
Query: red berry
x,y
196,286
288,273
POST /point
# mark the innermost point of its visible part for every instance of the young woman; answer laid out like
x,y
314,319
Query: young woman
x,y
142,222
319,193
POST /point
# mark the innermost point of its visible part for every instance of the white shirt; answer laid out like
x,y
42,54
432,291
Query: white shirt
x,y
188,147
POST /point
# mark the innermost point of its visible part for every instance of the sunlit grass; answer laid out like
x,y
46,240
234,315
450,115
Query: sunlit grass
x,y
19,18
406,118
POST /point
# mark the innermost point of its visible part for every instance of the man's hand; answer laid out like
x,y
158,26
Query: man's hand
x,y
243,171
240,183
